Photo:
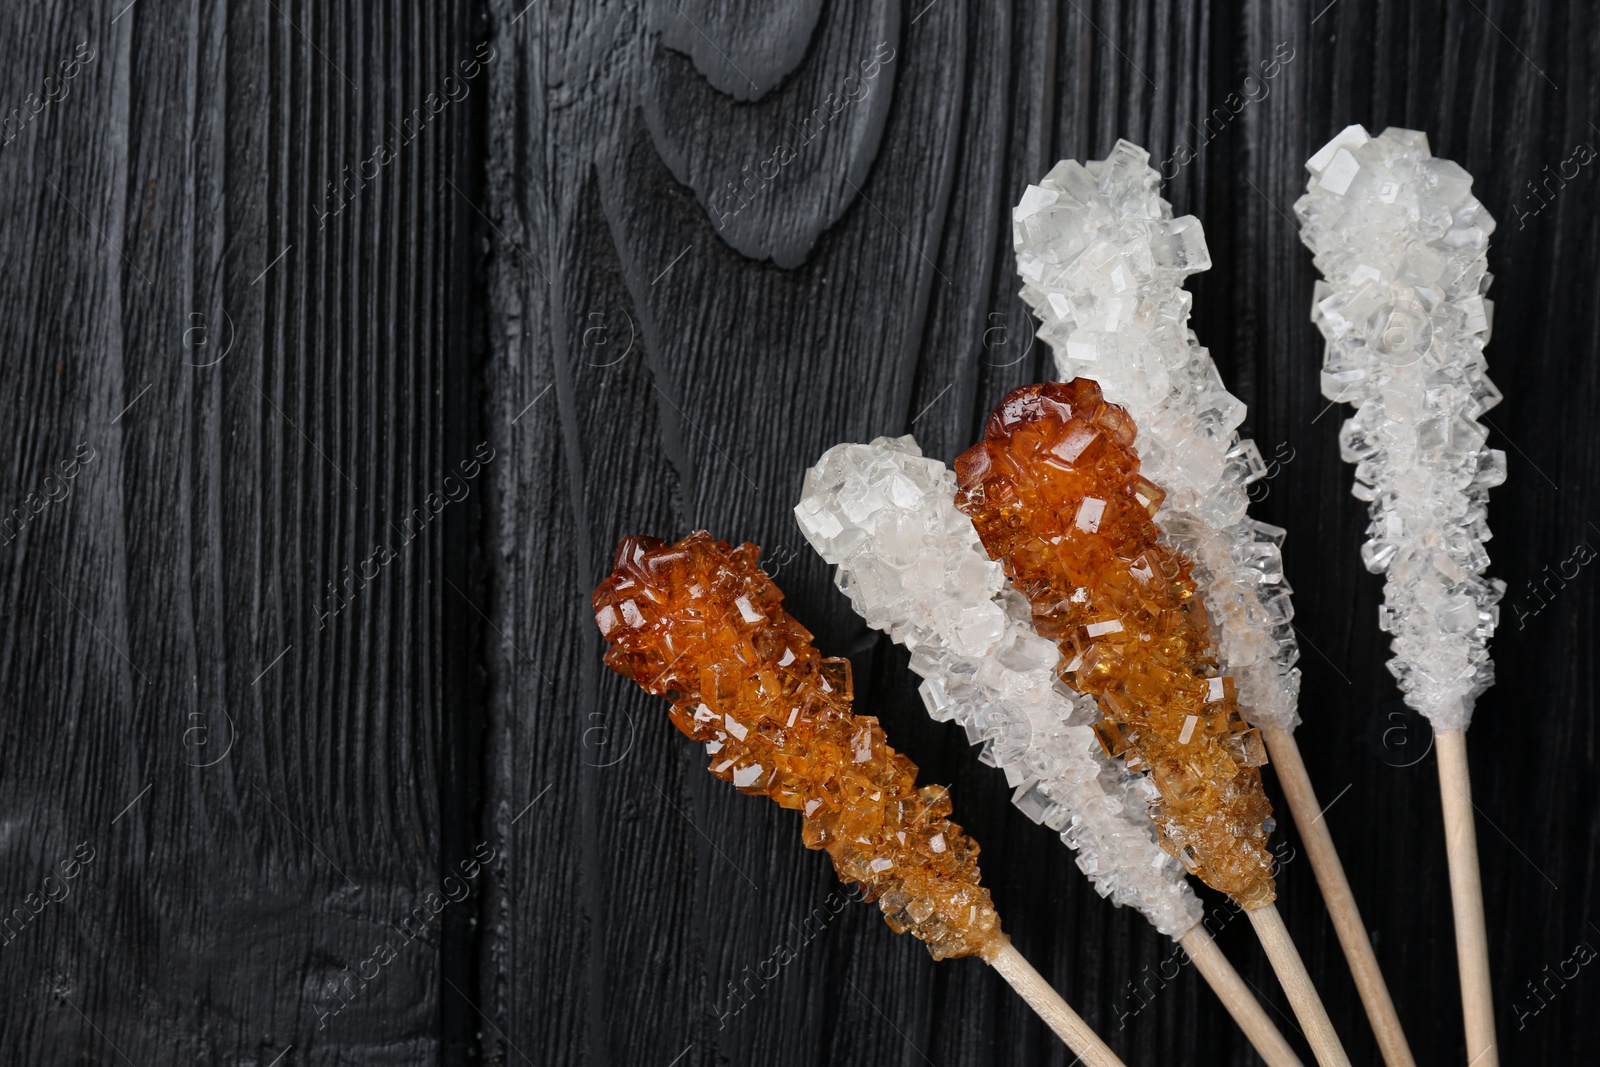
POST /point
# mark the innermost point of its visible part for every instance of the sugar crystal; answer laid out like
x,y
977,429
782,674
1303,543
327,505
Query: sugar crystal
x,y
1001,687
1405,321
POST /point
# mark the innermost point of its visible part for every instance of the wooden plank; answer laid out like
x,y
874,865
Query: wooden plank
x,y
254,740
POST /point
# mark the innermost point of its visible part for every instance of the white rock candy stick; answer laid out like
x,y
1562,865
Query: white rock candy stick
x,y
1103,263
1403,245
913,567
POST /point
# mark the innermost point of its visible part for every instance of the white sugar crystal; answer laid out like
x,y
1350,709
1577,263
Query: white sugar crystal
x,y
972,641
1352,136
1109,249
1340,173
1405,256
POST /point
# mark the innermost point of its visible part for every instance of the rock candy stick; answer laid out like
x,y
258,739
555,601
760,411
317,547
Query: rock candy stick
x,y
699,623
1056,495
913,567
1403,246
1103,263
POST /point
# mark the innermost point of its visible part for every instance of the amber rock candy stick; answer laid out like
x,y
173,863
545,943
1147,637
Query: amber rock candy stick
x,y
1055,494
699,623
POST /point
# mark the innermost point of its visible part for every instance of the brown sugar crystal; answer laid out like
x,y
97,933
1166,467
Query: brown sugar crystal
x,y
1055,493
699,623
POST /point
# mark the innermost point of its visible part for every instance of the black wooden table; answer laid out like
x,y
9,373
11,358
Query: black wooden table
x,y
342,342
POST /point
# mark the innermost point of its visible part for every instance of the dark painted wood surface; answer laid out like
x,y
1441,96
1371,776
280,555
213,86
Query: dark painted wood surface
x,y
255,728
545,307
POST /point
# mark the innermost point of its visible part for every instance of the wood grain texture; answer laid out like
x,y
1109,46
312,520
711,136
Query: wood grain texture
x,y
270,376
587,267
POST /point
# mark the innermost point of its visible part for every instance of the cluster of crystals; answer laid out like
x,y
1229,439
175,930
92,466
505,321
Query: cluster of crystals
x,y
1403,246
913,567
1055,492
1103,262
701,624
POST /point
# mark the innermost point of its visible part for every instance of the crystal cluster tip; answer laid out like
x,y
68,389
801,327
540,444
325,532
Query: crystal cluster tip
x,y
701,624
1056,494
1403,247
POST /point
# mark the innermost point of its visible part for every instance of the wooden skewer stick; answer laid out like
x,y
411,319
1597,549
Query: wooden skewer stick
x,y
1341,903
1068,1024
1237,997
1303,998
1466,898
